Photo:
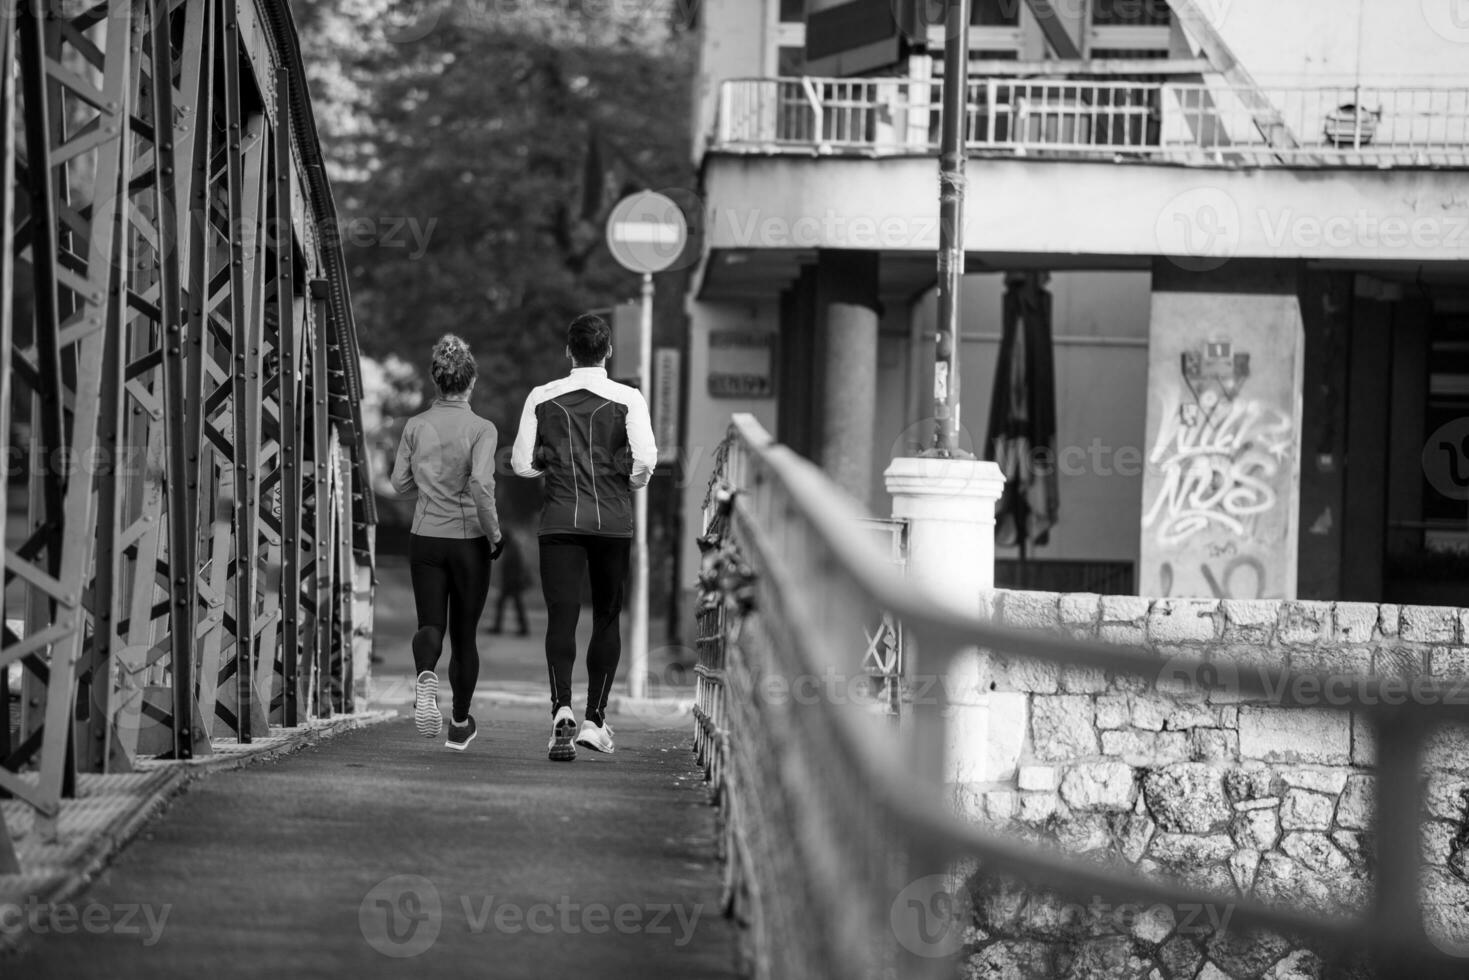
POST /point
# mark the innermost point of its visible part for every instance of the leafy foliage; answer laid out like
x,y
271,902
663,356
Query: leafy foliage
x,y
477,147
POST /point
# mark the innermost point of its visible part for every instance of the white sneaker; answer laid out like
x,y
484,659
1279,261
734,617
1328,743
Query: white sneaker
x,y
595,737
563,728
426,713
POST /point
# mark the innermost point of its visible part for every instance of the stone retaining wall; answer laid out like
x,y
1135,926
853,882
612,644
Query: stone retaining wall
x,y
1181,776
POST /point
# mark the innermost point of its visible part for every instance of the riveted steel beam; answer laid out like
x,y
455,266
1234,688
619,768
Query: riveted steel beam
x,y
186,565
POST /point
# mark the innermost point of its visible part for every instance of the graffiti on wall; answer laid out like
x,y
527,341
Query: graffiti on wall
x,y
1220,467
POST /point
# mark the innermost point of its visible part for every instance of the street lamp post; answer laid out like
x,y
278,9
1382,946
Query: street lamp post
x,y
952,182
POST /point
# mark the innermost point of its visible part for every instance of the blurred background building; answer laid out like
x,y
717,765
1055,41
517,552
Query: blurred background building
x,y
1243,223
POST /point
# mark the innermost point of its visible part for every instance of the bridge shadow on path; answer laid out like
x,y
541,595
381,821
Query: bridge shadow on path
x,y
383,854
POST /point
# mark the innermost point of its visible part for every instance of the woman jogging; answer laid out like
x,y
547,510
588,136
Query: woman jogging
x,y
447,455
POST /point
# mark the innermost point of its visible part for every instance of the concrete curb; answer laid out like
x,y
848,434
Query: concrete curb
x,y
97,854
294,741
174,779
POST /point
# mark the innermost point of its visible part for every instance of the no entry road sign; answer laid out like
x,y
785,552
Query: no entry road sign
x,y
647,232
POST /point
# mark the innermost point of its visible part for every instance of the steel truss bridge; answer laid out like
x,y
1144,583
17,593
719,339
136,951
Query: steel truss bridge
x,y
188,503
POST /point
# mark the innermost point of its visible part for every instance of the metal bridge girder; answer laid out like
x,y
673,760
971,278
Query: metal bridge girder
x,y
182,571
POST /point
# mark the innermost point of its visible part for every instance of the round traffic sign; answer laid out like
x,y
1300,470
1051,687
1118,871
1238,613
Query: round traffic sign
x,y
647,232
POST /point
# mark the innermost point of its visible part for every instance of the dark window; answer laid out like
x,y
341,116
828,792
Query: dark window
x,y
792,11
790,61
1447,478
1130,13
1129,53
995,13
850,26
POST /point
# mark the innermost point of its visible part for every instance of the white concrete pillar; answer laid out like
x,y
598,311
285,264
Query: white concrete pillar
x,y
949,506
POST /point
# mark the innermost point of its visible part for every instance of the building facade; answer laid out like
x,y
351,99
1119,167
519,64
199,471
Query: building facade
x,y
1252,222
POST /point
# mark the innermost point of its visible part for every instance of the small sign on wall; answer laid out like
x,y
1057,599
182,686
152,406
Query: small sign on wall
x,y
741,364
667,368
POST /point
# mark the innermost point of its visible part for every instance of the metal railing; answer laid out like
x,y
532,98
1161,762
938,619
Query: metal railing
x,y
1175,122
830,812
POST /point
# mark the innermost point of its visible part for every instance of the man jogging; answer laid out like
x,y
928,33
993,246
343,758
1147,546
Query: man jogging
x,y
592,440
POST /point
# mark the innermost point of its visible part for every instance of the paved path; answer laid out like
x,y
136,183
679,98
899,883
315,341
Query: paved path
x,y
494,863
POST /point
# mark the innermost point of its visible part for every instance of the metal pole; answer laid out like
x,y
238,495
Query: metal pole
x,y
638,679
954,121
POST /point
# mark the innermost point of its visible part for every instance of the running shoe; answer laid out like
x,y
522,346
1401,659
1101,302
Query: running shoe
x,y
426,713
461,735
563,730
596,737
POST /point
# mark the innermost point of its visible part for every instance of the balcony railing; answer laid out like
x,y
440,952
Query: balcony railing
x,y
1184,123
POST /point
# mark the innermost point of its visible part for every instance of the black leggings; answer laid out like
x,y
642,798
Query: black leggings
x,y
451,579
564,557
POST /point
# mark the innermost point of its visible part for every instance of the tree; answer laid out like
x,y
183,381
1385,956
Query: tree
x,y
477,147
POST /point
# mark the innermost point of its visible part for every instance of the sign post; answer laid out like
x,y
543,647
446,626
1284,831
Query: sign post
x,y
951,231
646,234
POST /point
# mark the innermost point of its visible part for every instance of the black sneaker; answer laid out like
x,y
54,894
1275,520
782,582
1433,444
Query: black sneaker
x,y
461,735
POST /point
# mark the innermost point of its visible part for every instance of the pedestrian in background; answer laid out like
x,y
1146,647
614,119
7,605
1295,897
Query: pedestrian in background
x,y
512,583
592,440
447,456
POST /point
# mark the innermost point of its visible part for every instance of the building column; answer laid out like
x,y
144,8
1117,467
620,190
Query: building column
x,y
1221,487
847,325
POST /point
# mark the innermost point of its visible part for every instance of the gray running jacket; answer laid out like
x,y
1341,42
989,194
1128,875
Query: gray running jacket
x,y
447,456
